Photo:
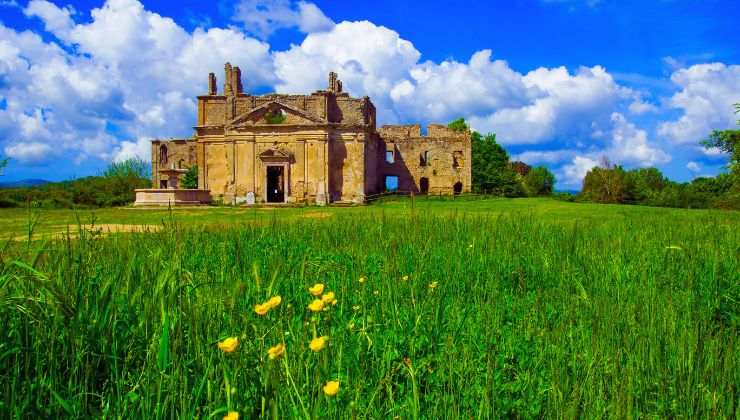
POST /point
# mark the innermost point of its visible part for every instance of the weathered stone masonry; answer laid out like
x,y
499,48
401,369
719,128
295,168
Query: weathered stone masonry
x,y
317,148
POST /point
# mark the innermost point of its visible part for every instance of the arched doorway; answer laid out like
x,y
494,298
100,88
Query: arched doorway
x,y
457,188
423,185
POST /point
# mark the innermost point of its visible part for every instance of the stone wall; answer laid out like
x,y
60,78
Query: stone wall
x,y
442,158
180,154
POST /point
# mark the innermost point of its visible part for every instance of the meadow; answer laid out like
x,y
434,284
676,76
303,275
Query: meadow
x,y
499,308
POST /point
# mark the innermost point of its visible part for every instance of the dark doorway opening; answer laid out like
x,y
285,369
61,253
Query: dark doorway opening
x,y
424,185
275,184
163,183
457,188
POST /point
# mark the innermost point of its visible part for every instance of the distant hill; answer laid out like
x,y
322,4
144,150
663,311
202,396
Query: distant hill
x,y
23,183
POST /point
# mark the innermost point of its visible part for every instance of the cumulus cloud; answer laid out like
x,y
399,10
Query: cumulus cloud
x,y
573,173
263,17
693,167
706,98
132,74
29,152
564,104
56,19
630,145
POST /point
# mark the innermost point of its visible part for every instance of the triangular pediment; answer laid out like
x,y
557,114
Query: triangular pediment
x,y
275,113
274,155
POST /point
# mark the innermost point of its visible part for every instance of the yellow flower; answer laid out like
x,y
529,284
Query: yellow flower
x,y
356,308
376,292
316,306
362,279
273,302
317,289
276,351
432,285
318,344
404,278
229,345
328,298
331,388
261,308
233,415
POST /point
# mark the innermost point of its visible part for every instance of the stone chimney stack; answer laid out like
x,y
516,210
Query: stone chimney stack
x,y
335,85
233,80
228,78
237,82
212,90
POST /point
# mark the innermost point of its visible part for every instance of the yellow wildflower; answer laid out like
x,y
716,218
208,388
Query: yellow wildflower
x,y
276,351
376,293
356,308
317,289
316,306
261,308
362,279
432,285
318,344
233,415
229,345
405,278
328,298
331,388
273,302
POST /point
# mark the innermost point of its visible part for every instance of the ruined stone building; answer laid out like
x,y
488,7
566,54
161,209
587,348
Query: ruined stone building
x,y
317,148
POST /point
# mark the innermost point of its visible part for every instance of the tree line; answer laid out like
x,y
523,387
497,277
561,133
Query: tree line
x,y
609,183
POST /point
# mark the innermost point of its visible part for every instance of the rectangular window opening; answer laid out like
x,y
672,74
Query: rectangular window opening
x,y
389,158
391,183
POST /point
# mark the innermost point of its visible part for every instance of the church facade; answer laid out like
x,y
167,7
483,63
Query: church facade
x,y
318,148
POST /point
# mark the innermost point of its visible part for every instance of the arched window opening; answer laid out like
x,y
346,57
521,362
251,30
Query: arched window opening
x,y
457,188
424,158
163,155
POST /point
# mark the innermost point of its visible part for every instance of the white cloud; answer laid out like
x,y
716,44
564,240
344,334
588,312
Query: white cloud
x,y
57,20
573,173
370,60
565,105
262,17
29,152
630,145
707,94
640,107
550,157
130,69
693,167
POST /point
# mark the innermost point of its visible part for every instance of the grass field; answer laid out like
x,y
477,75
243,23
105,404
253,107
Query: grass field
x,y
521,308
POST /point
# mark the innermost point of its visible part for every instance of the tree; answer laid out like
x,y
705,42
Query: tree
x,y
459,125
491,170
129,168
605,184
539,181
190,180
728,141
3,164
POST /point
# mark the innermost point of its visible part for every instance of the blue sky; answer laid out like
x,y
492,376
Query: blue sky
x,y
563,83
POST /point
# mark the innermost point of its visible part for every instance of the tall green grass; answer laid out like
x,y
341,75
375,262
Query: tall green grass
x,y
638,317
